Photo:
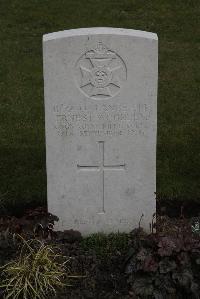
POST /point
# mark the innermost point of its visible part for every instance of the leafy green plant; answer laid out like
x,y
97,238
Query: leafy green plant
x,y
36,273
165,263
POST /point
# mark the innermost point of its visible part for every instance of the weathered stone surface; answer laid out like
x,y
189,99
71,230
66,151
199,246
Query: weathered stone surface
x,y
100,108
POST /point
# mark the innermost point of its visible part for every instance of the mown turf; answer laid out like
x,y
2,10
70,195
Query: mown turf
x,y
22,141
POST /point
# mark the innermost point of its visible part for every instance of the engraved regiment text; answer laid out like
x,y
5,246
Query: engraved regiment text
x,y
102,120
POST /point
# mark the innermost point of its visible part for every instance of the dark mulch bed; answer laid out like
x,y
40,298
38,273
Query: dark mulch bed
x,y
162,264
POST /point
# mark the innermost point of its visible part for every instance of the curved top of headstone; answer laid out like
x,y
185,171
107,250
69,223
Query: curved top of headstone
x,y
99,30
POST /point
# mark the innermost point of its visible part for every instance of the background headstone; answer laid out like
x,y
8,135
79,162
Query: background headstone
x,y
101,117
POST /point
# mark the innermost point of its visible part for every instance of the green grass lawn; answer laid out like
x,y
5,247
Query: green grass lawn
x,y
22,140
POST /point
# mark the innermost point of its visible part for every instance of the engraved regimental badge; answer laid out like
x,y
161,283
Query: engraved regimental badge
x,y
100,73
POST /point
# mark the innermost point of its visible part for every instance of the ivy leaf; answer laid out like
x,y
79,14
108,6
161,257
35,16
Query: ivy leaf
x,y
183,279
166,246
166,266
150,264
195,289
143,287
183,258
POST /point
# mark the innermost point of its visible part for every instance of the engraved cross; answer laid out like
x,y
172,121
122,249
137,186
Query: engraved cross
x,y
101,168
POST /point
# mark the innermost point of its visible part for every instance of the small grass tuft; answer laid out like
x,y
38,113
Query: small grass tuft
x,y
105,245
36,273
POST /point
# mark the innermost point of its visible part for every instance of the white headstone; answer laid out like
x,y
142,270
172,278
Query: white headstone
x,y
100,107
